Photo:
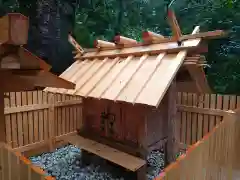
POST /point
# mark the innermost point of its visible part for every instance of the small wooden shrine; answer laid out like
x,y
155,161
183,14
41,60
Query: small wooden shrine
x,y
20,70
129,92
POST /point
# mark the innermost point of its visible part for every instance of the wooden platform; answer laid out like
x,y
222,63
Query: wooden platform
x,y
125,160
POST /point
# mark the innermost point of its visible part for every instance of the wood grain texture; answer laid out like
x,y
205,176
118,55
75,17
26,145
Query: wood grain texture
x,y
125,160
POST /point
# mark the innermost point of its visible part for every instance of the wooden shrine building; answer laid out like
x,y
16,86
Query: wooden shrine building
x,y
20,70
129,92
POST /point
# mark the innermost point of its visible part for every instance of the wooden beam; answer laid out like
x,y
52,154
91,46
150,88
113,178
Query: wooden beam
x,y
173,126
121,40
77,56
39,145
198,75
35,107
103,44
207,111
136,52
75,44
149,36
174,25
204,36
47,79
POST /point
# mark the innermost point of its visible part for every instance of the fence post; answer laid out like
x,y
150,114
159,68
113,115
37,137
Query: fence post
x,y
51,122
2,118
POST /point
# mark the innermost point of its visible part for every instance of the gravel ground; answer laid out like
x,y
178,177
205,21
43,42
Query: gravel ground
x,y
65,164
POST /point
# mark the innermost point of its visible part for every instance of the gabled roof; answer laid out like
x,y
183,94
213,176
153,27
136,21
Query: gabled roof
x,y
134,72
133,79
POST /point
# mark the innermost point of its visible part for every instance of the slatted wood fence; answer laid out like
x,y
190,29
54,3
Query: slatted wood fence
x,y
198,114
215,157
14,166
37,117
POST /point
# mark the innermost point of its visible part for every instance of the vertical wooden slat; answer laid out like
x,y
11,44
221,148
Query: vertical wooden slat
x,y
40,114
233,102
184,119
59,117
194,121
179,117
51,100
7,121
25,120
212,119
226,102
238,102
75,116
206,117
200,118
189,119
71,116
219,106
45,116
19,119
79,115
14,120
63,117
30,117
67,116
35,118
55,116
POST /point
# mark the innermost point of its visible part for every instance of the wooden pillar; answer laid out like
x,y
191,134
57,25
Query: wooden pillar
x,y
172,143
142,173
2,116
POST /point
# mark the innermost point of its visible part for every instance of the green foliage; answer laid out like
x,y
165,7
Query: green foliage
x,y
104,19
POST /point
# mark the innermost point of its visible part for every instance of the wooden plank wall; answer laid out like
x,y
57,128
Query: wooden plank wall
x,y
37,116
14,166
198,114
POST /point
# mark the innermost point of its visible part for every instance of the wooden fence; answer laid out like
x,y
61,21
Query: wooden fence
x,y
14,166
39,117
214,157
199,114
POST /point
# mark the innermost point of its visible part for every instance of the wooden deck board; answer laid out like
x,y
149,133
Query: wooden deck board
x,y
125,160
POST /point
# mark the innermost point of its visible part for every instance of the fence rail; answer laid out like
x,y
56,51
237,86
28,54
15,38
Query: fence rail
x,y
199,114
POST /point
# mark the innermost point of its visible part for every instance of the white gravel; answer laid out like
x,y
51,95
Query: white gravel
x,y
65,164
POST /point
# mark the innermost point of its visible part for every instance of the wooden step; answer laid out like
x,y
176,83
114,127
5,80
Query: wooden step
x,y
125,160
